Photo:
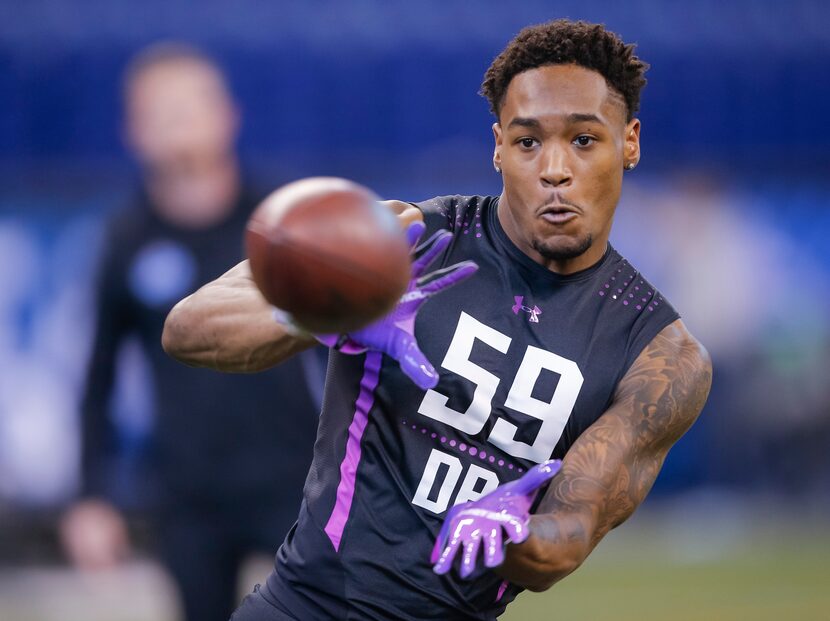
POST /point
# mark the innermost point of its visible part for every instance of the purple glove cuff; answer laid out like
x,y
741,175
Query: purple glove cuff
x,y
341,342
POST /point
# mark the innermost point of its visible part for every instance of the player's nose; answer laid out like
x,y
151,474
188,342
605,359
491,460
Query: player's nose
x,y
555,170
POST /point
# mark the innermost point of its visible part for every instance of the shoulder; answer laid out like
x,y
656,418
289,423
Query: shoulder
x,y
452,203
624,283
668,383
631,305
135,217
128,218
124,227
453,212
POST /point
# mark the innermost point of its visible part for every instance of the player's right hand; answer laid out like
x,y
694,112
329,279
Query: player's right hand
x,y
490,523
394,334
94,535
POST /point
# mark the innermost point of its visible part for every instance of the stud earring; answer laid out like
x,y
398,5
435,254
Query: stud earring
x,y
630,166
497,167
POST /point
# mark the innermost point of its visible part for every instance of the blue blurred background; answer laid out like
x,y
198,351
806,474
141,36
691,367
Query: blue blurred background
x,y
728,212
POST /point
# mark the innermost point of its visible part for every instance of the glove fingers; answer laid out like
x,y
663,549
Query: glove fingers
x,y
414,232
441,540
413,362
456,538
437,547
459,530
444,563
447,277
493,547
470,553
429,250
537,476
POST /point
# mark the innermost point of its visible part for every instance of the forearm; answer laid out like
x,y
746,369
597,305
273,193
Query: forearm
x,y
605,475
598,488
557,546
227,325
610,469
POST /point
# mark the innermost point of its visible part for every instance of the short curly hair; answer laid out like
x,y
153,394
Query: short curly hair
x,y
562,42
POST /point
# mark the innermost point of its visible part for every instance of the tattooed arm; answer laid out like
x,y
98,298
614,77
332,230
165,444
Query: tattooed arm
x,y
611,467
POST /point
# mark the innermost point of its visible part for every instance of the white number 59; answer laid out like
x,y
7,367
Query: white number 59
x,y
554,414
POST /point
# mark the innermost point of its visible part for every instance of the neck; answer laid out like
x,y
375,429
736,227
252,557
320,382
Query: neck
x,y
195,195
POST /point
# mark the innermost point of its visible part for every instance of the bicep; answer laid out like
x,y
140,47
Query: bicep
x,y
611,467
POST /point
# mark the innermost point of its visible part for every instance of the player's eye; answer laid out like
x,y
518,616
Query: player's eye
x,y
584,141
527,143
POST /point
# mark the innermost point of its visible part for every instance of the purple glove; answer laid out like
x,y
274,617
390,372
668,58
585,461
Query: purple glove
x,y
481,521
394,334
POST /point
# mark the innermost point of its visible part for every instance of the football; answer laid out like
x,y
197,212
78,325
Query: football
x,y
326,251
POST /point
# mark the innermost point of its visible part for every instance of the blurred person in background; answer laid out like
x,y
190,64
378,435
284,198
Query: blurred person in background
x,y
218,440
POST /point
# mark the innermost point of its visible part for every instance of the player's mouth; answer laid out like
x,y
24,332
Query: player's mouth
x,y
558,214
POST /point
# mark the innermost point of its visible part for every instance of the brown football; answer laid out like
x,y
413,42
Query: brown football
x,y
324,250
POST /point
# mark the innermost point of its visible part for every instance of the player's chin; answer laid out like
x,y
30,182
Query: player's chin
x,y
563,247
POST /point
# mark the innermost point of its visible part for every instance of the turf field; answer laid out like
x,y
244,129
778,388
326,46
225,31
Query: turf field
x,y
698,559
773,571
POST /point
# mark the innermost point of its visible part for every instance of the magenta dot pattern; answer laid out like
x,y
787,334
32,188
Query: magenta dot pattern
x,y
626,286
463,447
470,221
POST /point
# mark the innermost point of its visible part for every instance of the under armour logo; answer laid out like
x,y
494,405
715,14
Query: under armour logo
x,y
533,312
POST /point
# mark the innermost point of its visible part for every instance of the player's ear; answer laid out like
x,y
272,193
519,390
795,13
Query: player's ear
x,y
497,135
631,149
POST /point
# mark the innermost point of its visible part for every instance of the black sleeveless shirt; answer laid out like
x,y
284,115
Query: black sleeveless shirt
x,y
528,360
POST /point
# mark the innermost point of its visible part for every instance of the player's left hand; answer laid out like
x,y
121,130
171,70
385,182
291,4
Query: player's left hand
x,y
477,523
394,334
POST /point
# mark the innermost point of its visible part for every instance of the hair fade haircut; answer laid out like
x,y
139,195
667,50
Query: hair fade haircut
x,y
563,42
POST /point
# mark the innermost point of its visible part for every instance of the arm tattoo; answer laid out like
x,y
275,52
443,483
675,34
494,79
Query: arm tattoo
x,y
611,467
